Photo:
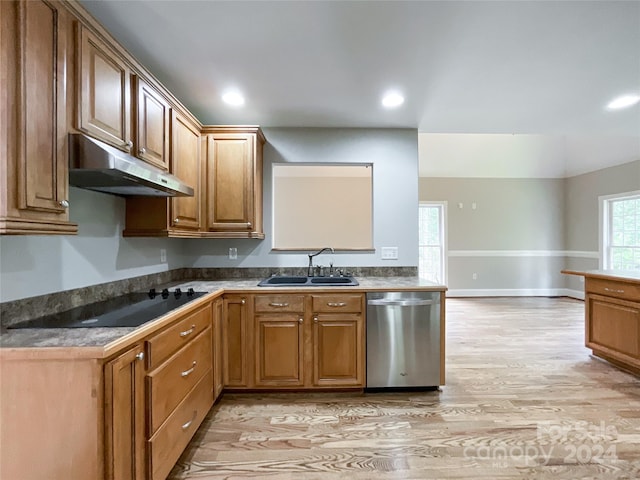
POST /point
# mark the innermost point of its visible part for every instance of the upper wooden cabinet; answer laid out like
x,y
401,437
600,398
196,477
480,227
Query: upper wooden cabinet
x,y
176,216
152,125
36,44
104,91
234,182
185,164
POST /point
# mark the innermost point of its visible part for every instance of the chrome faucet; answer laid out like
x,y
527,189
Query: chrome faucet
x,y
311,255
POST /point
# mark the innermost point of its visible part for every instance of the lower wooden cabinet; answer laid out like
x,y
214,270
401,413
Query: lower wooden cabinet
x,y
338,350
612,328
218,359
236,344
298,345
279,350
125,416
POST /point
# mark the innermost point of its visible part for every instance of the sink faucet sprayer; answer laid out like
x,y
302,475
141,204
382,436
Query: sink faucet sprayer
x,y
311,255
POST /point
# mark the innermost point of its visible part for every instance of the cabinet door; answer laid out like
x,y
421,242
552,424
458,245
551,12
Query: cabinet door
x,y
338,356
614,327
152,126
125,416
279,350
34,49
104,86
236,342
218,380
230,192
185,164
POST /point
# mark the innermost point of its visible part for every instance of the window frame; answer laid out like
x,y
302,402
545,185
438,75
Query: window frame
x,y
443,230
605,225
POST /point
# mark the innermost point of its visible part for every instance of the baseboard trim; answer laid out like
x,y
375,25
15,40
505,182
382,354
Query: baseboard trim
x,y
515,292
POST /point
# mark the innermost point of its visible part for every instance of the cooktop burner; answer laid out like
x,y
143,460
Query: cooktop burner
x,y
130,310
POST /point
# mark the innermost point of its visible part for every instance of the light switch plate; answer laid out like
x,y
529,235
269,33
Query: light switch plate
x,y
389,253
233,253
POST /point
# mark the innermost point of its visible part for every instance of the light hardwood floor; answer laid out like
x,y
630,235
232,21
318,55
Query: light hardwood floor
x,y
524,399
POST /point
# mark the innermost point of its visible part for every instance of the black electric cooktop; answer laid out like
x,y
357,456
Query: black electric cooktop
x,y
130,310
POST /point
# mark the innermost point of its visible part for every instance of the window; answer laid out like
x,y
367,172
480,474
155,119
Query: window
x,y
431,242
621,231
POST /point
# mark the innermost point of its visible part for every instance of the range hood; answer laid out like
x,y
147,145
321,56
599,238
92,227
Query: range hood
x,y
94,165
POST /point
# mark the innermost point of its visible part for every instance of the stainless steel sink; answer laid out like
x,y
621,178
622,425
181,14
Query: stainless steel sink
x,y
300,281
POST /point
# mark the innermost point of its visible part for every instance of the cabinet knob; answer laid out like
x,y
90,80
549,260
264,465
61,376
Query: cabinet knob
x,y
300,320
248,224
142,151
176,220
140,356
64,203
243,301
128,145
315,319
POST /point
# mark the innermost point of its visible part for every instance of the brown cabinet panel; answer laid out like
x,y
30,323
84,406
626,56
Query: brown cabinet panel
x,y
168,443
614,325
169,341
234,182
218,359
168,384
185,164
337,303
338,344
125,416
279,350
152,125
236,343
613,288
104,87
279,303
35,48
230,182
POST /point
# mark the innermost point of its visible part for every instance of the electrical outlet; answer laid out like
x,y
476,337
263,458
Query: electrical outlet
x,y
163,255
474,276
233,253
389,253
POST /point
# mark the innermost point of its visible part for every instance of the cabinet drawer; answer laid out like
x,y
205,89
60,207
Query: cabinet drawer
x,y
613,288
166,343
337,303
168,443
279,303
168,384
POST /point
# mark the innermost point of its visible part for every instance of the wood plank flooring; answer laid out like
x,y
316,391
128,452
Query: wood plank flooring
x,y
524,399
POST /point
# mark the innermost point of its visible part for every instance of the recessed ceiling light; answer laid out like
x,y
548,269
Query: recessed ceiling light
x,y
392,100
233,98
623,101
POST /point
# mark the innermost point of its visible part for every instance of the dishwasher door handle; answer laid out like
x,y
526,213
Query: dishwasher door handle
x,y
399,303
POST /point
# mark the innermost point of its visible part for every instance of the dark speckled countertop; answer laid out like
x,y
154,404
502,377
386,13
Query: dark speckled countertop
x,y
102,338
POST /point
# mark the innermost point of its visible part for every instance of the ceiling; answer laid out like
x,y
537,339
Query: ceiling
x,y
464,67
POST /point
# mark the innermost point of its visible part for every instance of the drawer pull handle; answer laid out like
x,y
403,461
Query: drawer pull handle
x,y
186,373
273,304
188,424
188,332
613,290
336,304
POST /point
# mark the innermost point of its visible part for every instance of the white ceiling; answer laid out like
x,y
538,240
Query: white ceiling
x,y
465,67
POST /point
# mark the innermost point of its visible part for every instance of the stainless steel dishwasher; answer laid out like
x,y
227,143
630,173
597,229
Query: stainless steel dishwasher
x,y
403,339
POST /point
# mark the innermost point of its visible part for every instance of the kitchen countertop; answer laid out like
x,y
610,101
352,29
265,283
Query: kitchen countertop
x,y
100,342
621,275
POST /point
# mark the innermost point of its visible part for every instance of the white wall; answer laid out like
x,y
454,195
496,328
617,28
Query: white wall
x,y
36,265
394,155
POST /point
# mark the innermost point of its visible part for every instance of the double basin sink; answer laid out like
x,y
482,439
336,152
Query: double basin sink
x,y
300,281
